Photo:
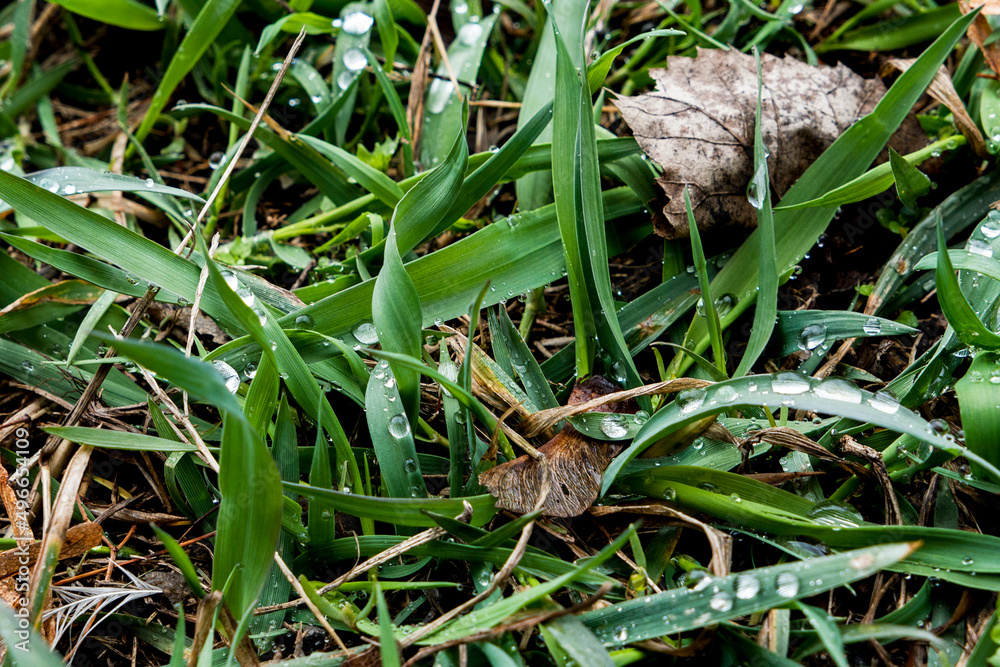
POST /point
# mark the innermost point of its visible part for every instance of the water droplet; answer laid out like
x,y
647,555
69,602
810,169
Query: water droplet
x,y
790,383
246,296
27,366
304,322
250,370
641,416
757,189
231,280
991,226
150,183
938,426
697,580
669,494
48,184
216,159
399,426
69,189
366,334
345,79
131,280
980,247
828,513
721,601
812,336
614,426
620,634
840,390
618,372
469,33
884,401
747,586
229,375
355,60
690,400
872,327
409,465
787,585
968,560
357,23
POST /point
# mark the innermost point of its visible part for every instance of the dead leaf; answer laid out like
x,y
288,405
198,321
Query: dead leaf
x,y
575,465
943,91
699,126
981,30
79,539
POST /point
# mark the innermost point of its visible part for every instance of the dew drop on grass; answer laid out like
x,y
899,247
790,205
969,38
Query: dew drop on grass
x,y
69,189
980,247
469,33
131,280
618,372
355,60
669,494
150,183
991,226
620,634
613,426
747,586
938,426
968,560
250,370
697,580
399,426
790,383
884,401
357,23
840,390
303,322
758,187
27,366
691,400
811,337
642,415
231,280
409,465
216,159
872,326
787,585
366,334
246,296
721,601
345,79
229,375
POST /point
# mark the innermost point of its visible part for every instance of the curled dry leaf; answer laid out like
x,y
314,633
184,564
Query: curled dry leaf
x,y
575,463
699,126
943,91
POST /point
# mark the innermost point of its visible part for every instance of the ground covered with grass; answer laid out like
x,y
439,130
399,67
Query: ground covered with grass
x,y
499,333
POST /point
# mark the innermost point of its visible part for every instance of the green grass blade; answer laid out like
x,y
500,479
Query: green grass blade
x,y
127,14
442,103
767,271
961,316
827,631
397,315
398,511
107,439
135,254
735,595
249,515
181,560
789,390
709,311
811,329
978,392
911,183
880,178
392,435
206,27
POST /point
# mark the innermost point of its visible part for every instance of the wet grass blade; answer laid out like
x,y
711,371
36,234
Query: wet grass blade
x,y
127,14
978,392
810,329
788,390
398,511
207,25
736,595
708,309
961,316
767,271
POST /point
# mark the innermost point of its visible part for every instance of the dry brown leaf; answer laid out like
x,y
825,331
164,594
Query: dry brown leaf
x,y
699,126
575,465
991,7
979,32
79,539
943,91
